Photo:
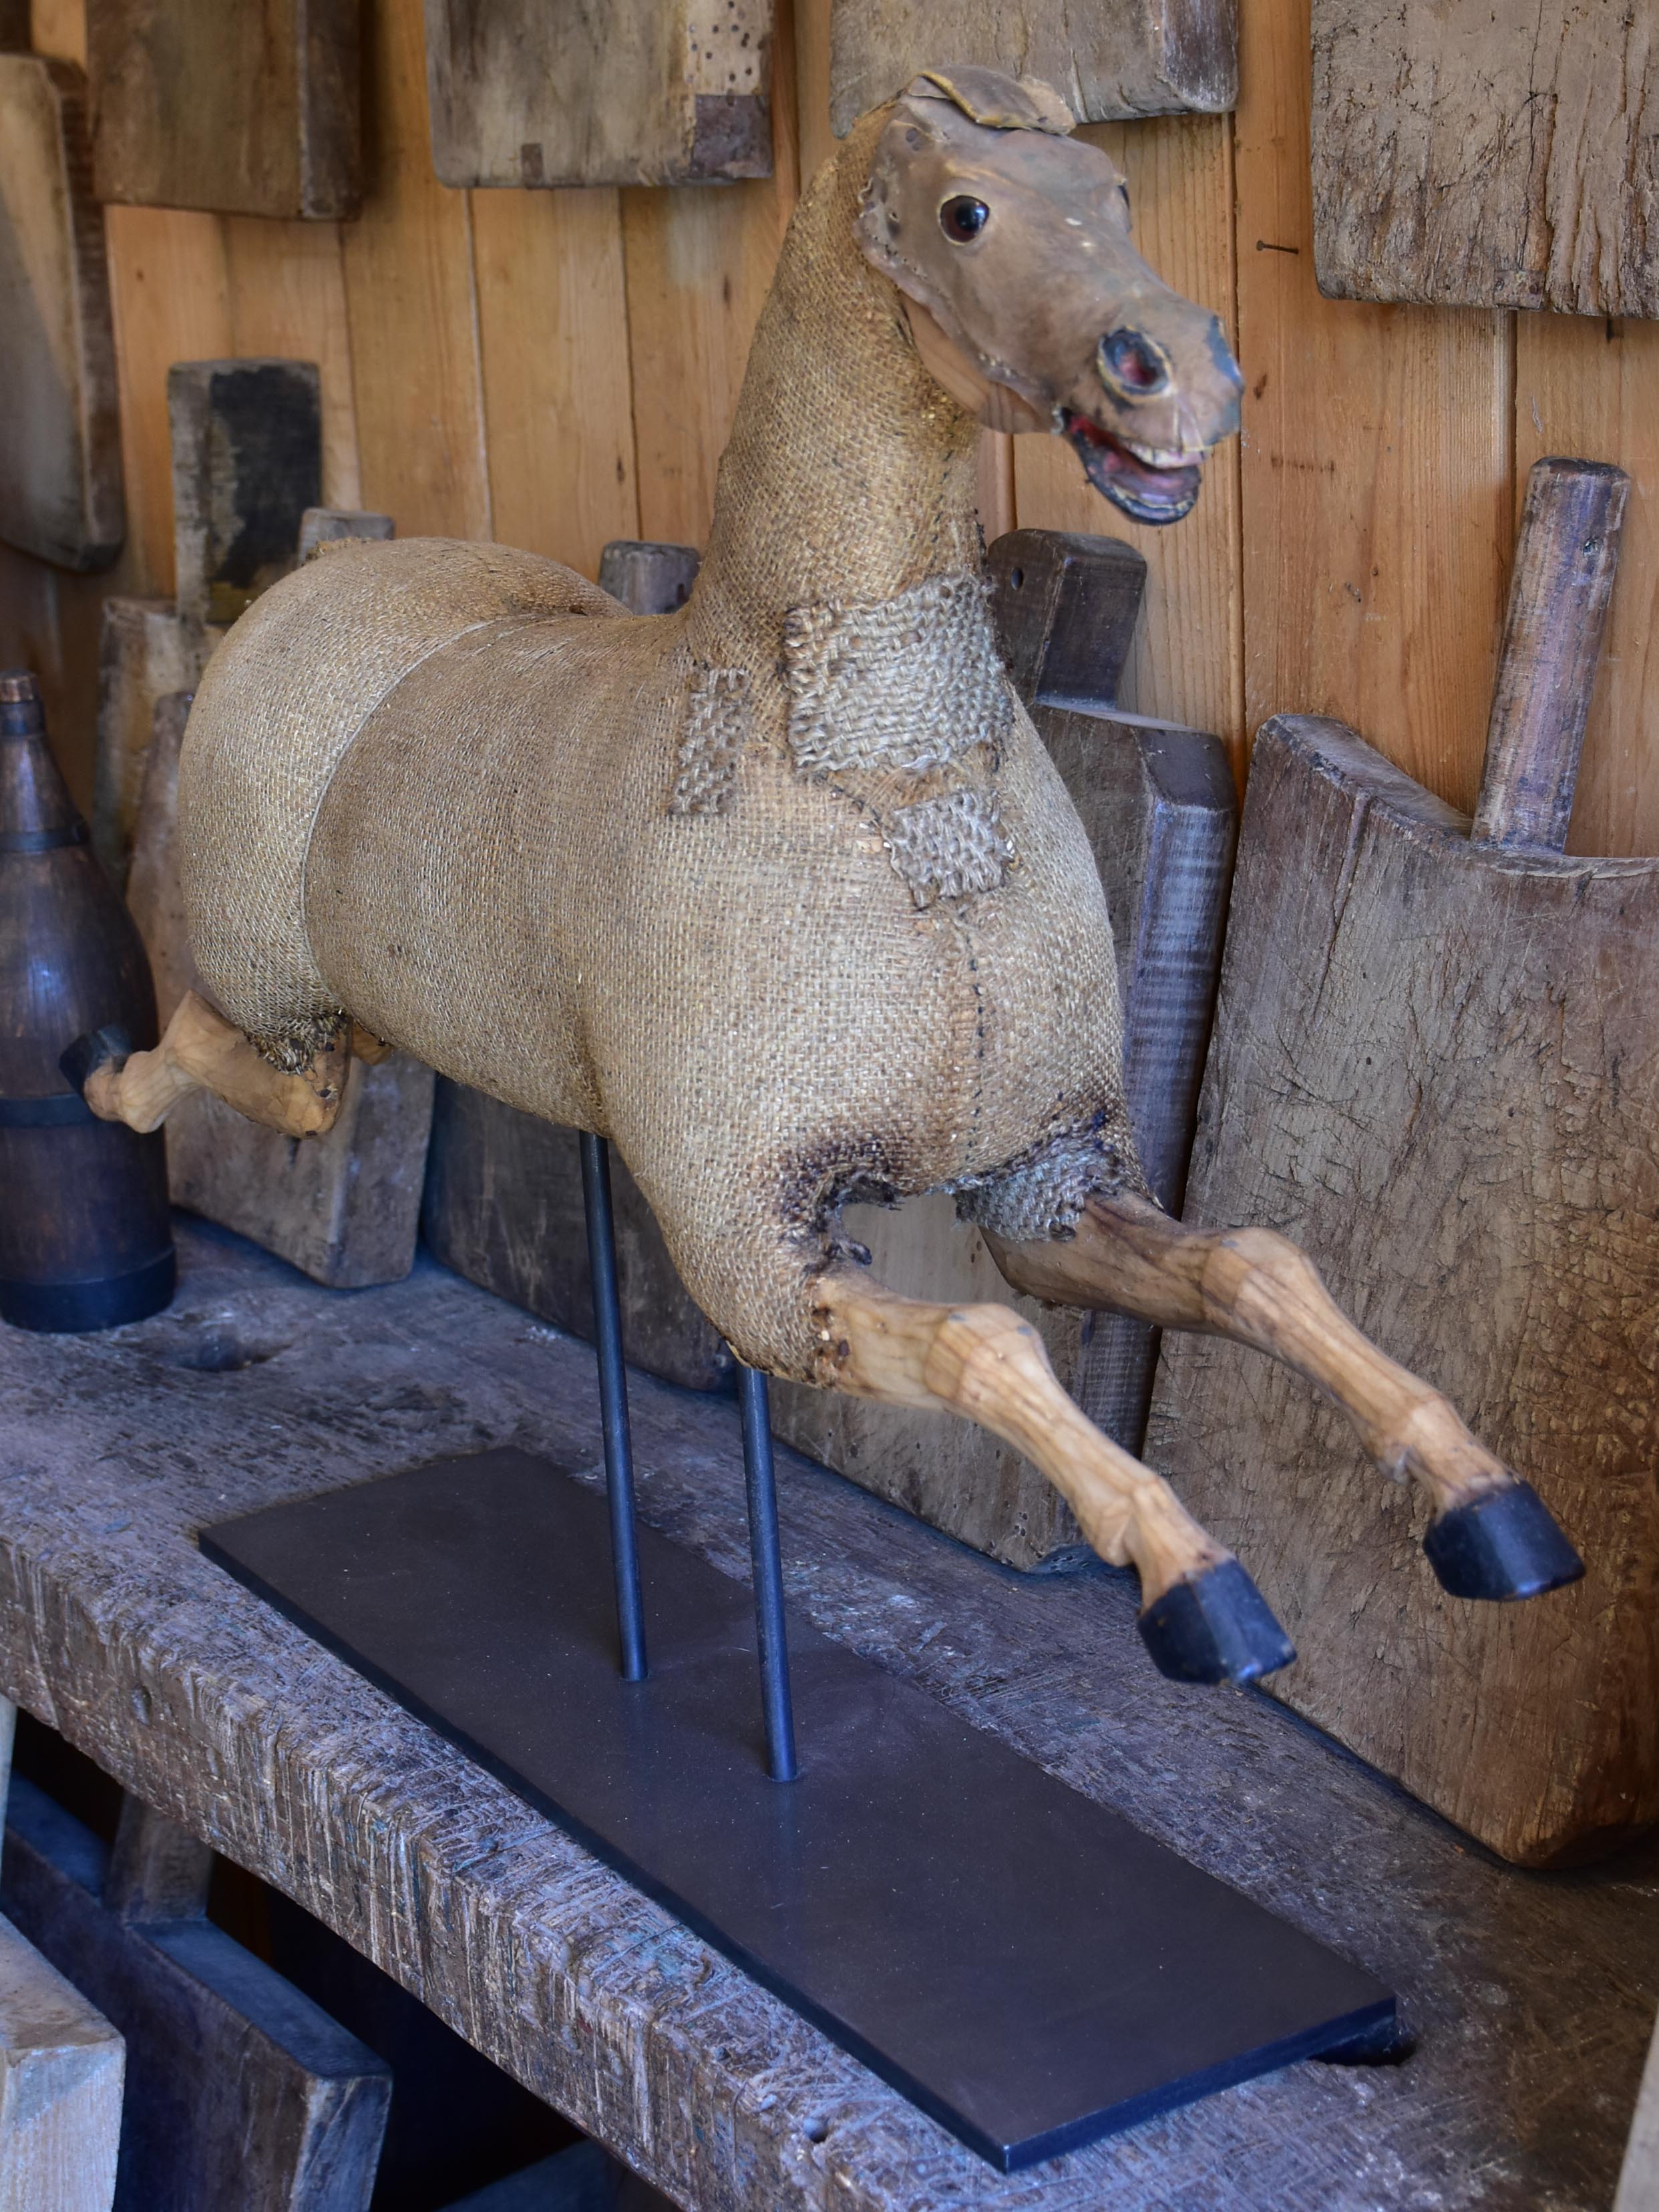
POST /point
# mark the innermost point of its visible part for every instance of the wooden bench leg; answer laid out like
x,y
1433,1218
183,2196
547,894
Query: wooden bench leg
x,y
1493,1536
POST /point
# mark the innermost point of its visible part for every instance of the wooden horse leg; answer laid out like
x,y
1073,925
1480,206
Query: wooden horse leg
x,y
1491,1537
200,1050
1202,1617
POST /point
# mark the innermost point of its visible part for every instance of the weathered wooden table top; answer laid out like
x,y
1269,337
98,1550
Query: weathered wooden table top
x,y
1530,1997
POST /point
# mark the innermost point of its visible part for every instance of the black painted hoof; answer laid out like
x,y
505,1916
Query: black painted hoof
x,y
1506,1544
88,1054
1216,1628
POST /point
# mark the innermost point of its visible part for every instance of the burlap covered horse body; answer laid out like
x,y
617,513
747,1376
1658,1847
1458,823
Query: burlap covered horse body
x,y
781,891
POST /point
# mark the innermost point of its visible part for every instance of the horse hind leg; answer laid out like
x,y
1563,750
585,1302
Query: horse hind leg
x,y
200,1050
1492,1536
1202,1617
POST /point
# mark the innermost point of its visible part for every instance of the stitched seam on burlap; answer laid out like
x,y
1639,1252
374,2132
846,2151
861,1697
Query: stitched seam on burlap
x,y
912,682
716,730
949,847
364,720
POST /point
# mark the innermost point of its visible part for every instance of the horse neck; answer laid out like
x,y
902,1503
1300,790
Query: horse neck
x,y
850,474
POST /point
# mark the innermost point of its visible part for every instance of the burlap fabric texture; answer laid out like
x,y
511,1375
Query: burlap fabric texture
x,y
780,893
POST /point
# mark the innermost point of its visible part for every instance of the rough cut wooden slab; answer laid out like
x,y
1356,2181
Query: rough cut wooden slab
x,y
1487,153
1532,2002
1111,59
639,92
345,1206
1436,1066
240,2091
61,2065
60,439
247,468
252,108
144,652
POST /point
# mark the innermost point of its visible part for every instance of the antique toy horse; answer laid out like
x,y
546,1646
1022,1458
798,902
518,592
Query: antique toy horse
x,y
780,891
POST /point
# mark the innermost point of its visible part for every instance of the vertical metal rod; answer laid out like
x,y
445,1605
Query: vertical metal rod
x,y
613,1404
755,1401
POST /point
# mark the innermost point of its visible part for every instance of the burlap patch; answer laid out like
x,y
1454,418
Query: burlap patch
x,y
1043,1197
950,847
912,682
716,730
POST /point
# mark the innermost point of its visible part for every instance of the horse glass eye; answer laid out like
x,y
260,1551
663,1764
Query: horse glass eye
x,y
962,218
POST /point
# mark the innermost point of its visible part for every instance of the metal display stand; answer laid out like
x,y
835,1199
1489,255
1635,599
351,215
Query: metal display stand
x,y
1023,1964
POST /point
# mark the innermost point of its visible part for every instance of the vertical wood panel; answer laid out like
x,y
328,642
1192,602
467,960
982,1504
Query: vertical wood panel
x,y
170,294
699,264
1590,388
288,299
411,304
1376,465
1185,662
557,380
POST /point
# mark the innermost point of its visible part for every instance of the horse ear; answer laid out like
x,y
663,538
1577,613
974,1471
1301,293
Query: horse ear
x,y
998,102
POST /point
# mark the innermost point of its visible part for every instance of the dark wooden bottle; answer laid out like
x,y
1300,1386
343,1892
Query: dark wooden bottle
x,y
86,1238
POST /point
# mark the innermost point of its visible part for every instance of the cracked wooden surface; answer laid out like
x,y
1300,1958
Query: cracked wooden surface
x,y
1530,1997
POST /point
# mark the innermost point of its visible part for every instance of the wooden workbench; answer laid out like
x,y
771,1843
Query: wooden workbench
x,y
1530,1997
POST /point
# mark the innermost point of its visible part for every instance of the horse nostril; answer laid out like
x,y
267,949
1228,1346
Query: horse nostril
x,y
1132,365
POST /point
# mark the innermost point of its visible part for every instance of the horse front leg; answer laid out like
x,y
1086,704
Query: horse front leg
x,y
1491,1537
1202,1617
200,1050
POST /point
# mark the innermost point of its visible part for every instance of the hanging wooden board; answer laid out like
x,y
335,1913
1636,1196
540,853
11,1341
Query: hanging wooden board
x,y
1487,154
60,442
1114,59
250,108
640,92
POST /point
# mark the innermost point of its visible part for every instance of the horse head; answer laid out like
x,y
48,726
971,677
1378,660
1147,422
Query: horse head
x,y
1008,240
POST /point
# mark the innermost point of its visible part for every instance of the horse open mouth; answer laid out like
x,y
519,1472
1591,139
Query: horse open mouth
x,y
1149,486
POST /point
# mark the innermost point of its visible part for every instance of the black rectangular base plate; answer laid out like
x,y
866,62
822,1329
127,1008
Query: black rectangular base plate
x,y
1022,1963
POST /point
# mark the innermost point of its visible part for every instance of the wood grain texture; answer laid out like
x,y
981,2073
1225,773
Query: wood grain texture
x,y
1108,62
248,110
699,266
247,461
61,2073
170,286
117,1631
60,451
1469,155
1185,665
240,2090
1593,389
558,386
412,307
1377,503
1432,1069
286,284
145,655
635,93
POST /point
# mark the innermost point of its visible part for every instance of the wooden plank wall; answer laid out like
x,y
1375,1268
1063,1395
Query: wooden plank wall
x,y
556,369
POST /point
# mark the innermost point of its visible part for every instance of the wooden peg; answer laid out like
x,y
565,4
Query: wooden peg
x,y
157,1870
